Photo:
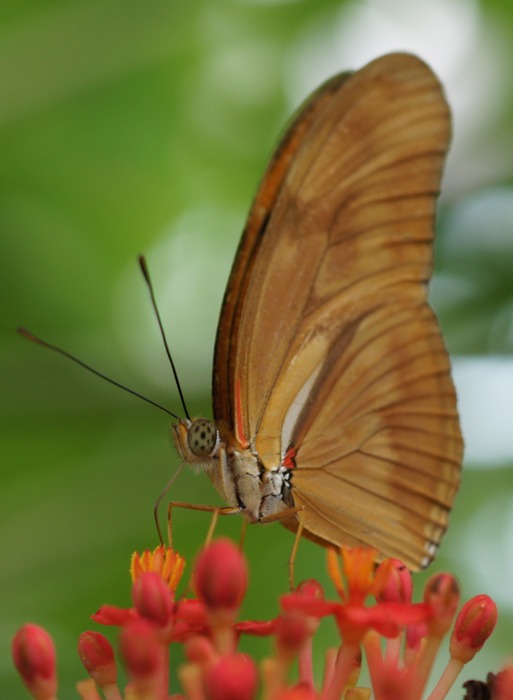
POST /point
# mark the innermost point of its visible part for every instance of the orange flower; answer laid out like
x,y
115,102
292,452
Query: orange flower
x,y
163,561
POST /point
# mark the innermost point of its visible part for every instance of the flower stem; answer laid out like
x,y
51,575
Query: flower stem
x,y
305,664
191,681
87,690
447,679
421,667
329,667
347,656
111,692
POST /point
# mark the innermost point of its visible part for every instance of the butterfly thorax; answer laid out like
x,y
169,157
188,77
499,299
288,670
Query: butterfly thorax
x,y
235,470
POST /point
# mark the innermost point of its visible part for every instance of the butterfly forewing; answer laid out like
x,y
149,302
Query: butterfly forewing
x,y
331,341
228,334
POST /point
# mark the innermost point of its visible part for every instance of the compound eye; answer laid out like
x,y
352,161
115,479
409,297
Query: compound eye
x,y
202,437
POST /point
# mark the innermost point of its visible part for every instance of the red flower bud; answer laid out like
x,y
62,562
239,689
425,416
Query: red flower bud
x,y
220,576
141,651
442,594
308,598
308,593
233,677
152,598
97,656
474,624
393,582
34,657
310,589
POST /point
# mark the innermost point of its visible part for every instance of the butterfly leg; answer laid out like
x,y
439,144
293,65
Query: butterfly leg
x,y
295,546
298,511
227,511
215,510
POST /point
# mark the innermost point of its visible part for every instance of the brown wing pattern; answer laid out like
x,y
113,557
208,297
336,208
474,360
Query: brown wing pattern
x,y
333,343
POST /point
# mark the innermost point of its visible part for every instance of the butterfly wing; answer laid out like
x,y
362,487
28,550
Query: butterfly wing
x,y
228,345
333,353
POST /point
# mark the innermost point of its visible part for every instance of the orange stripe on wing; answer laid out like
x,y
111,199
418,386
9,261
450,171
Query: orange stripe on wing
x,y
239,420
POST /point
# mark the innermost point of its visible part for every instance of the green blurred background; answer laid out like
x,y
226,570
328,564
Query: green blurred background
x,y
130,127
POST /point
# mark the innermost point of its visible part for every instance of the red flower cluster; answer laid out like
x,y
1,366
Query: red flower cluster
x,y
207,626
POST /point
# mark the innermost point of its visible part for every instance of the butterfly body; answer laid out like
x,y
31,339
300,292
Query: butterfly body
x,y
332,392
235,471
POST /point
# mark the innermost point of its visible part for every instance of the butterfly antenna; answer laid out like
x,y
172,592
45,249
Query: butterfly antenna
x,y
146,274
34,339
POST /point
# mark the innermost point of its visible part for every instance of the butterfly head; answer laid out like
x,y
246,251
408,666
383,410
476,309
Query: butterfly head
x,y
197,440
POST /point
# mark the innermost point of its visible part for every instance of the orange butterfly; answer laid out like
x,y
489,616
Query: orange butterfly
x,y
334,408
333,402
